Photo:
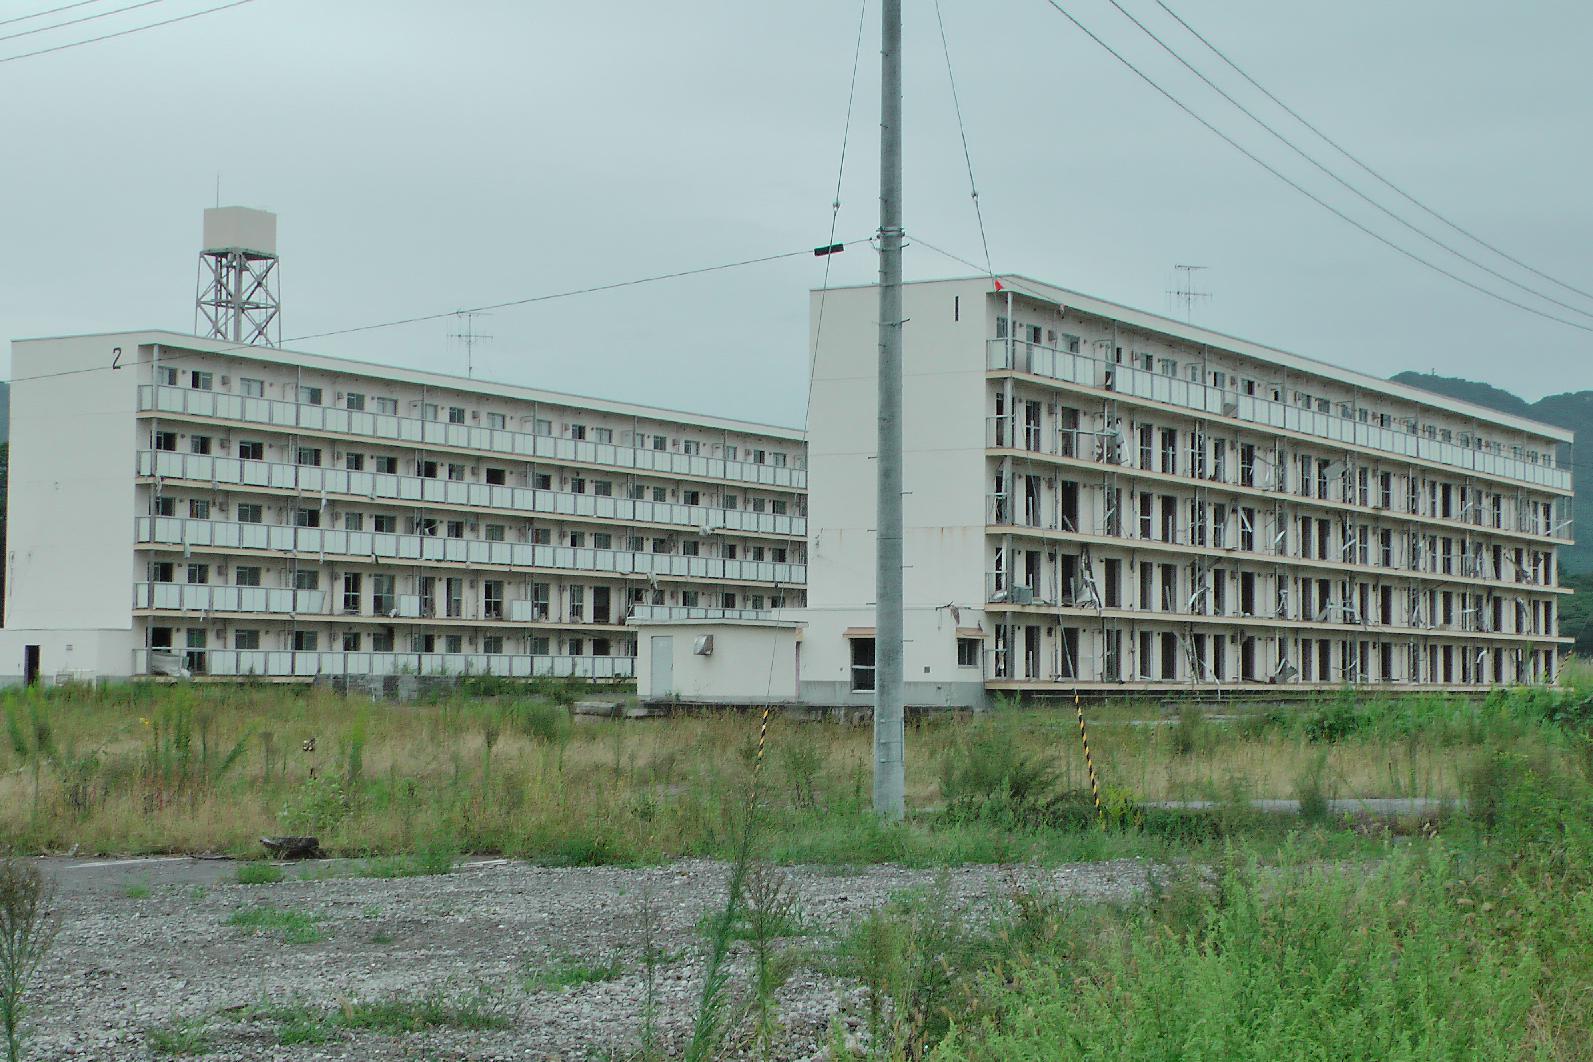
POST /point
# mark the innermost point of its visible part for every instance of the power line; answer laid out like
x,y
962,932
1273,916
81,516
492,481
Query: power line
x,y
835,205
51,11
1363,165
480,309
1292,146
125,32
962,130
76,21
1318,200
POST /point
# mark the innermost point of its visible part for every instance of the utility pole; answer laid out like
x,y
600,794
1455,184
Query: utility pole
x,y
889,734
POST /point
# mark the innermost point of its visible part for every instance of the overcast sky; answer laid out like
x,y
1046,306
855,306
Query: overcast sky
x,y
427,156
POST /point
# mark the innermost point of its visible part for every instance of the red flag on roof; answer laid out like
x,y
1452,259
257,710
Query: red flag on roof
x,y
998,284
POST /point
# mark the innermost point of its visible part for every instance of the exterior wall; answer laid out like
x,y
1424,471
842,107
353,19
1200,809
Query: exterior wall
x,y
751,663
67,655
934,677
272,513
69,557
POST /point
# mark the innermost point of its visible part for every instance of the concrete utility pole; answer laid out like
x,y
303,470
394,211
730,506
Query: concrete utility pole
x,y
888,729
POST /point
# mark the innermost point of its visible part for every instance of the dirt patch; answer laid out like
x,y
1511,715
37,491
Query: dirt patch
x,y
537,962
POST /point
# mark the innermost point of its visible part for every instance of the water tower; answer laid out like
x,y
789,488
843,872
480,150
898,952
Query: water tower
x,y
238,299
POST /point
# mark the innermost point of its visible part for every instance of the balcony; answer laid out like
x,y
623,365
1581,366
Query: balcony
x,y
313,479
236,663
374,546
1085,371
686,612
202,597
412,431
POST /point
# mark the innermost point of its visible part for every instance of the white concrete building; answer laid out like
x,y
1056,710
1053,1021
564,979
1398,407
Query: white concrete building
x,y
187,503
1099,498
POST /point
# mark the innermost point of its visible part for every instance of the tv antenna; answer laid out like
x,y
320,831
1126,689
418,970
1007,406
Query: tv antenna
x,y
470,337
1184,291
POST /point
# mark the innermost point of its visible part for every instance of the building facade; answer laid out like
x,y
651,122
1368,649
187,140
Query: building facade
x,y
1098,498
179,504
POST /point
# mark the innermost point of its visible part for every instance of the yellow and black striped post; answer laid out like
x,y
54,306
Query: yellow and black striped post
x,y
757,764
1089,762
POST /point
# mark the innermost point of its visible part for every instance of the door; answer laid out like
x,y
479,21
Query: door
x,y
663,666
600,604
30,665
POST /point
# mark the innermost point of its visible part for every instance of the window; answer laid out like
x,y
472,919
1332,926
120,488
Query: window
x,y
691,497
199,444
428,411
494,532
382,640
454,644
659,442
384,524
492,598
249,513
602,540
456,529
388,406
691,446
307,455
306,579
354,400
688,598
603,435
456,472
862,665
578,539
351,641
354,462
310,396
689,548
384,597
496,421
540,645
165,440
577,601
492,644
456,414
161,572
201,381
246,639
577,431
968,652
246,575
198,509
603,488
385,465
541,427
251,388
251,450
351,592
194,659
306,641
306,518
166,375
426,469
541,481
199,573
497,477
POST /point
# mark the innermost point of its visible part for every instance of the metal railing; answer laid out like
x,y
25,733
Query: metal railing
x,y
291,416
315,479
265,663
686,612
202,597
178,531
1049,362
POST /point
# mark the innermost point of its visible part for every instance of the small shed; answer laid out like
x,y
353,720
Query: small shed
x,y
718,661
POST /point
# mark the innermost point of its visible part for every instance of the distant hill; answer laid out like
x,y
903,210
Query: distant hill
x,y
1572,409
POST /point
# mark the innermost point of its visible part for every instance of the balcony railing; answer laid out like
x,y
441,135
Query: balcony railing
x,y
314,479
176,531
238,663
290,416
202,597
686,612
1081,369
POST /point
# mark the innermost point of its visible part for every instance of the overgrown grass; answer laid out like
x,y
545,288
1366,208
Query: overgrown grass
x,y
180,1038
501,768
259,874
569,971
305,1023
290,927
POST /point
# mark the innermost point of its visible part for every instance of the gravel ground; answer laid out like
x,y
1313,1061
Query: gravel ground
x,y
146,945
